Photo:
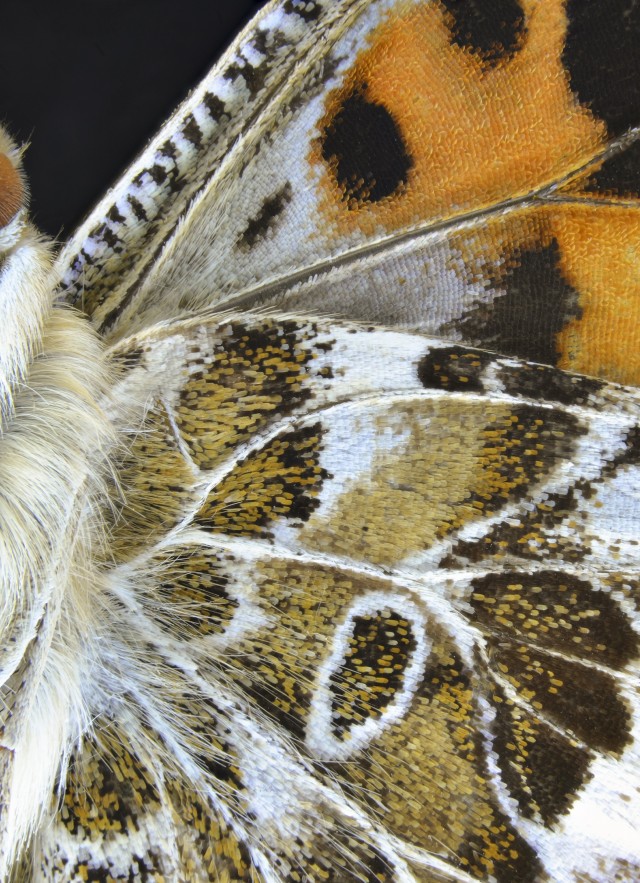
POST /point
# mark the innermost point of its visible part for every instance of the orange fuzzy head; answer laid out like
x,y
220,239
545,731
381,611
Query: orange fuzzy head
x,y
11,190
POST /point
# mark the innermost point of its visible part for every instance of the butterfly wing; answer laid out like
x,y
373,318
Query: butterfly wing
x,y
468,169
362,624
370,606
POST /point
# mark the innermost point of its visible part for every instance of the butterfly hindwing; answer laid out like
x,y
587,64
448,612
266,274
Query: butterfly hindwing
x,y
305,592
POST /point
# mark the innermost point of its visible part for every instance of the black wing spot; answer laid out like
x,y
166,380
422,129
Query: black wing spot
x,y
363,145
308,11
545,776
265,219
547,384
537,304
372,672
192,131
115,215
137,208
602,57
493,31
454,368
215,106
619,174
254,77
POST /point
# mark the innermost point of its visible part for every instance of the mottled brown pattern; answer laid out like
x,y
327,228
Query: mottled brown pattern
x,y
372,669
428,772
542,768
558,611
188,595
355,605
107,787
455,462
581,700
251,377
281,480
208,846
545,532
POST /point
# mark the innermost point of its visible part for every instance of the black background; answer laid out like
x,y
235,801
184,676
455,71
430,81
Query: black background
x,y
87,82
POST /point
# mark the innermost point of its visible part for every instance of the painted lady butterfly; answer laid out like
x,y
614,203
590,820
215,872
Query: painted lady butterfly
x,y
320,559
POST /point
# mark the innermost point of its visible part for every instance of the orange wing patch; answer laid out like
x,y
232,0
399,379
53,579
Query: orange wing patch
x,y
566,286
471,131
11,190
456,109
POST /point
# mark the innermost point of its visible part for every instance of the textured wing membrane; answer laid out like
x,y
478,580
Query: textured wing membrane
x,y
467,169
371,600
357,586
117,246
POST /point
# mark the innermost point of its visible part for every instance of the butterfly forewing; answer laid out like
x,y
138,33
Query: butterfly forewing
x,y
442,165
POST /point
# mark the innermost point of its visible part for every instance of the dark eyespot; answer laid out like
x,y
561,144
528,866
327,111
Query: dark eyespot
x,y
364,147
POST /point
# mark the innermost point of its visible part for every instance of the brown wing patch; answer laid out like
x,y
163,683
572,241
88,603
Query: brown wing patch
x,y
426,778
118,821
544,632
276,664
107,787
188,593
557,611
208,847
255,373
454,368
581,700
454,462
372,669
536,534
423,775
107,794
543,769
282,480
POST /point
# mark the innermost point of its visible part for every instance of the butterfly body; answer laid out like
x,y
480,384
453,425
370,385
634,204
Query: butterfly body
x,y
291,595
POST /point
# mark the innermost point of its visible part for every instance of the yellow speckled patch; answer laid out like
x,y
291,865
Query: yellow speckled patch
x,y
254,375
105,792
426,769
377,656
429,775
187,593
277,662
481,456
281,480
108,794
209,848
